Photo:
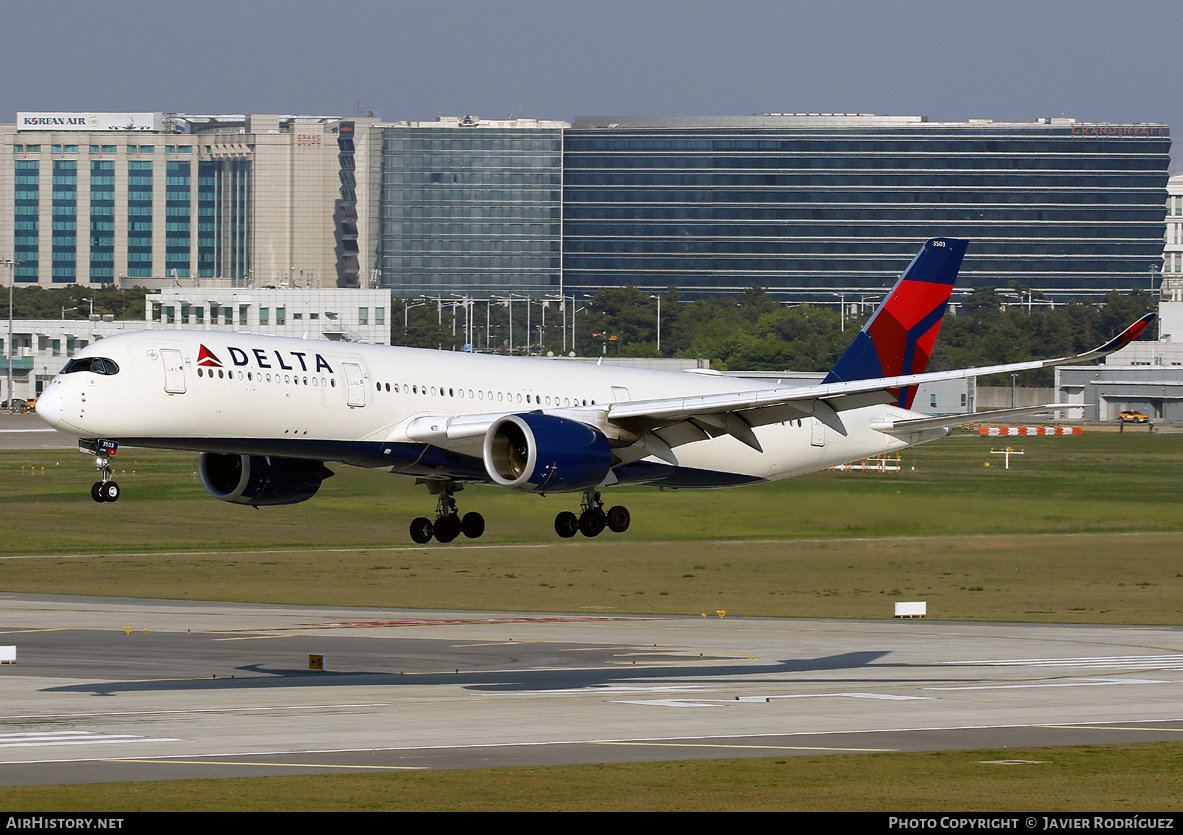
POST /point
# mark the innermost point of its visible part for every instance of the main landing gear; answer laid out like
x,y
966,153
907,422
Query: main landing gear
x,y
105,489
592,518
448,523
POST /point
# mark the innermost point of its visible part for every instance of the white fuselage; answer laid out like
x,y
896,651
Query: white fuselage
x,y
245,393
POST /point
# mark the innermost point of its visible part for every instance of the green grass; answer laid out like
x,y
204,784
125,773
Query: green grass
x,y
1080,529
1133,778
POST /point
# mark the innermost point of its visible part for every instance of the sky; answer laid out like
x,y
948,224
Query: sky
x,y
950,61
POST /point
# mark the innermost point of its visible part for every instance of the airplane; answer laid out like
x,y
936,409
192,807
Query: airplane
x,y
266,413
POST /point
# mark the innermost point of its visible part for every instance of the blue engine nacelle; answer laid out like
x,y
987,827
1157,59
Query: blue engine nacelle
x,y
260,479
546,454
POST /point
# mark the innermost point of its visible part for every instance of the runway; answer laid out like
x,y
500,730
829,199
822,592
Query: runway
x,y
31,432
121,690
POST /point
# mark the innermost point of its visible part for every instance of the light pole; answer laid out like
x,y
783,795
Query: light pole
x,y
658,297
466,302
574,305
841,309
506,302
562,300
406,310
11,264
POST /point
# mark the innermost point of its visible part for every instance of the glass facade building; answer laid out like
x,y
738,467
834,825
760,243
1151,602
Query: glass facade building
x,y
816,205
472,208
231,198
102,221
26,219
139,218
809,206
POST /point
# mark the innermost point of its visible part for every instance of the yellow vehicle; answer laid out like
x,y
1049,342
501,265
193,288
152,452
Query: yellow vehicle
x,y
1131,416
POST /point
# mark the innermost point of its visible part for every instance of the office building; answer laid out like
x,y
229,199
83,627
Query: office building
x,y
102,198
814,205
810,206
471,206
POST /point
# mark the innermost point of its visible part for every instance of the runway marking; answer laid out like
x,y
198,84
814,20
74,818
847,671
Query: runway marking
x,y
40,739
752,747
885,696
1131,661
1087,682
635,740
255,637
1110,728
500,644
765,699
621,689
153,761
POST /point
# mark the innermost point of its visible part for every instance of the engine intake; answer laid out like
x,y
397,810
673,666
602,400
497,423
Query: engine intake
x,y
260,480
545,453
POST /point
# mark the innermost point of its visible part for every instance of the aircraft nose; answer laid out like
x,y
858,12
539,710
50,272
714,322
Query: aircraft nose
x,y
51,405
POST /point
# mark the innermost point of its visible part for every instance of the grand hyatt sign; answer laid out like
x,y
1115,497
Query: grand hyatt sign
x,y
1120,130
56,120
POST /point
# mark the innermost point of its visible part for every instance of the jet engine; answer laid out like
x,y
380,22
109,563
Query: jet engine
x,y
543,453
260,479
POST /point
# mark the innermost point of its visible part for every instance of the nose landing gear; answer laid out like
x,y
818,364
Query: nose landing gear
x,y
592,518
448,523
105,489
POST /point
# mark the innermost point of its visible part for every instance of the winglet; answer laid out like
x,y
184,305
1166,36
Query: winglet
x,y
899,337
1126,336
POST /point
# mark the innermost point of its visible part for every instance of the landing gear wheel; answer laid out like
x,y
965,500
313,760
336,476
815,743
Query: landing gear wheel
x,y
566,524
447,528
591,522
472,525
618,519
96,491
421,530
110,491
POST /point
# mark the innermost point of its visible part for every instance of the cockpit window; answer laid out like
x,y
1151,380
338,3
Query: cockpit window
x,y
95,365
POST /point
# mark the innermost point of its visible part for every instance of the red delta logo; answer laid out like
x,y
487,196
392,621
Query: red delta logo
x,y
206,357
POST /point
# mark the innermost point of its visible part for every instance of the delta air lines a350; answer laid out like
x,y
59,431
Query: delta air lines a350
x,y
266,413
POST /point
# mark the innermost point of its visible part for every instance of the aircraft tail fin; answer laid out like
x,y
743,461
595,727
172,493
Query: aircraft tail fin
x,y
899,337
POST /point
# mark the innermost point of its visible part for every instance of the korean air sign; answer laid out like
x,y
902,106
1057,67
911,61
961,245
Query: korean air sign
x,y
88,121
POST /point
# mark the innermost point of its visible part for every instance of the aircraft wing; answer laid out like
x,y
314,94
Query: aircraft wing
x,y
837,397
655,427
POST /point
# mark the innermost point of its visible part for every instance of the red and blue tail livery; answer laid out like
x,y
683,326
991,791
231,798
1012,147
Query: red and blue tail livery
x,y
899,337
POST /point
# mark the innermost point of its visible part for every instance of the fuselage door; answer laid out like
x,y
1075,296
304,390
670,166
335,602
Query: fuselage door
x,y
817,432
355,381
174,370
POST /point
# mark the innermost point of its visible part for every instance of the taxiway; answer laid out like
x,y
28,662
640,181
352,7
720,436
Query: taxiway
x,y
121,690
